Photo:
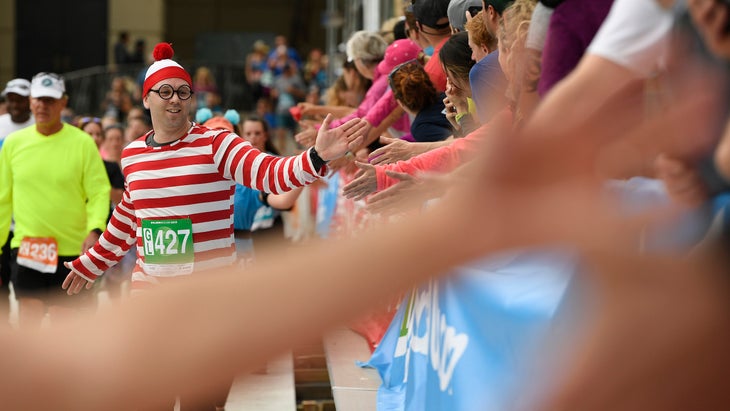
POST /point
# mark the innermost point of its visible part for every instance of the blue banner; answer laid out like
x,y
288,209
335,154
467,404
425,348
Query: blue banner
x,y
459,343
326,204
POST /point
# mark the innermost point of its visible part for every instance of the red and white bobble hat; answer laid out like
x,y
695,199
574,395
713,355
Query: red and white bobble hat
x,y
163,68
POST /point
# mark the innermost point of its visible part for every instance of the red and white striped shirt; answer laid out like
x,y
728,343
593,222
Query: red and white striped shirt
x,y
193,177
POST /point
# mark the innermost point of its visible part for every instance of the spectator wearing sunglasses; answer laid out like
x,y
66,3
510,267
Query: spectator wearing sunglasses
x,y
57,214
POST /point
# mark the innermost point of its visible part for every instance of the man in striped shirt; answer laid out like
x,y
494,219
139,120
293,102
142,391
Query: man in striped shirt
x,y
180,179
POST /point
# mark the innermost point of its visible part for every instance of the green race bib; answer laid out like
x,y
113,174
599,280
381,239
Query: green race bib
x,y
168,246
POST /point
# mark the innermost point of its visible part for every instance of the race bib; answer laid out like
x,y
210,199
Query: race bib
x,y
39,253
168,247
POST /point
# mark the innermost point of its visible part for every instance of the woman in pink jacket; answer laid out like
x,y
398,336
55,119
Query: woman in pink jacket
x,y
362,49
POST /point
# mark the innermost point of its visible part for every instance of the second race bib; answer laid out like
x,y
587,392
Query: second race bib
x,y
39,253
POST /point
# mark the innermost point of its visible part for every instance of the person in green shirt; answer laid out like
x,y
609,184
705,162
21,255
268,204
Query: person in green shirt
x,y
53,183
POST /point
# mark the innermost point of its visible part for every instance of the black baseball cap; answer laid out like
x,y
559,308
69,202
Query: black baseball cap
x,y
430,12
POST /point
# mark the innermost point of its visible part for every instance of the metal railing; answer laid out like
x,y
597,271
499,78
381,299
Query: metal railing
x,y
87,88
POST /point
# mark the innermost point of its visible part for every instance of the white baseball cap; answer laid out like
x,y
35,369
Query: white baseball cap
x,y
19,86
47,85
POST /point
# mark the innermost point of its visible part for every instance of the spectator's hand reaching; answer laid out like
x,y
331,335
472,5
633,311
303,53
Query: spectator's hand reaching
x,y
339,163
307,108
335,143
410,192
364,184
394,150
307,136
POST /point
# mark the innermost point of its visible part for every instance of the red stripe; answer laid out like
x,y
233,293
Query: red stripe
x,y
99,264
126,204
212,235
280,176
305,162
265,170
246,167
116,223
180,180
117,241
80,268
182,200
211,216
207,217
155,165
272,177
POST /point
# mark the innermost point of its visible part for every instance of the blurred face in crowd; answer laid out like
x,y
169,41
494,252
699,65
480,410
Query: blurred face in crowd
x,y
118,85
114,142
254,133
135,128
364,69
135,112
93,129
350,76
171,114
18,107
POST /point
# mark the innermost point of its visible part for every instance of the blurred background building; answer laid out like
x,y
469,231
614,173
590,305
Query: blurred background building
x,y
77,38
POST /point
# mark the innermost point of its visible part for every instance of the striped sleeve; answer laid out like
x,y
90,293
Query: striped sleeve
x,y
113,244
236,159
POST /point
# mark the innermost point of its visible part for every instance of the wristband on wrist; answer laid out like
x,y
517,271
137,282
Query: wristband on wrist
x,y
97,231
317,161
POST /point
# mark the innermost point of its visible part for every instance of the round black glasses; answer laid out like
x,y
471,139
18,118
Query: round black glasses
x,y
166,91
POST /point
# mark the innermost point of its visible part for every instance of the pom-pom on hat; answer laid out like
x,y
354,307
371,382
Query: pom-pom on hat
x,y
203,114
232,116
163,68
